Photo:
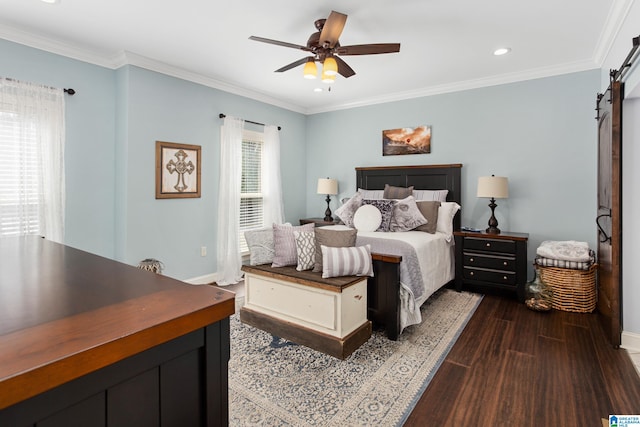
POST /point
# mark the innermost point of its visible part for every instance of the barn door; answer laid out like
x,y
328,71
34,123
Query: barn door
x,y
609,218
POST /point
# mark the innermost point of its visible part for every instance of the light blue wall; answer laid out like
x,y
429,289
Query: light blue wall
x,y
541,134
90,131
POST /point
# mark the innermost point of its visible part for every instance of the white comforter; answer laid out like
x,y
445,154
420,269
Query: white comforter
x,y
436,266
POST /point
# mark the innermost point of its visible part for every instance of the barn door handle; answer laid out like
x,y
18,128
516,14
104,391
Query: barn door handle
x,y
604,237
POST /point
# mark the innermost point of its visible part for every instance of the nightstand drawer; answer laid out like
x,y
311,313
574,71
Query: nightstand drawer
x,y
498,277
507,263
490,245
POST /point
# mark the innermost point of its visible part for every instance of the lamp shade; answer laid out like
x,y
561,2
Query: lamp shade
x,y
310,70
330,66
327,186
496,187
327,78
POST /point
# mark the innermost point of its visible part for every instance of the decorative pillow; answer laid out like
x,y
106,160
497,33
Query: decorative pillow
x,y
445,218
305,249
260,243
371,194
391,192
367,218
386,209
334,239
406,215
346,211
284,243
351,261
431,195
429,210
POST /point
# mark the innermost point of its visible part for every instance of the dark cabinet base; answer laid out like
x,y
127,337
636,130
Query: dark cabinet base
x,y
181,382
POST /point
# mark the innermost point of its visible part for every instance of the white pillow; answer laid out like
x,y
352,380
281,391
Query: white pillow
x,y
431,195
355,260
367,218
446,212
371,194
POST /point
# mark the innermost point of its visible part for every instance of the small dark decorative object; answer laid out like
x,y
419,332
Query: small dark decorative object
x,y
152,265
538,294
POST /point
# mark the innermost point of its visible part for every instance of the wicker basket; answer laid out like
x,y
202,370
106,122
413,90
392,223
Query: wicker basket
x,y
573,290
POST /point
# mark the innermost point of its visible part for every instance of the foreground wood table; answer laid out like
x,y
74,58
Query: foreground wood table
x,y
88,341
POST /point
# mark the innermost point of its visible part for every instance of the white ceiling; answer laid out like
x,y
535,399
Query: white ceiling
x,y
445,45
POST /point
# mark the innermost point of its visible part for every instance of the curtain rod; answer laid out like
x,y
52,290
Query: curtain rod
x,y
69,91
222,116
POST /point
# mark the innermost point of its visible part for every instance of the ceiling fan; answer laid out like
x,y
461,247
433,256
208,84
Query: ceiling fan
x,y
325,47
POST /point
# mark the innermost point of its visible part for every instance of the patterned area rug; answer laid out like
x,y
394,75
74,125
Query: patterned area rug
x,y
273,382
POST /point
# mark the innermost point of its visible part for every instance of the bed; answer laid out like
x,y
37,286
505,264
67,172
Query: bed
x,y
388,297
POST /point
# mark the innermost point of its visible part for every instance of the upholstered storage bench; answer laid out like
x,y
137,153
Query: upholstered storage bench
x,y
327,315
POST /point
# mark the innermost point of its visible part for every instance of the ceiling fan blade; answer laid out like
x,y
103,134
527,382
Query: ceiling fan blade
x,y
333,28
368,49
294,64
343,69
279,43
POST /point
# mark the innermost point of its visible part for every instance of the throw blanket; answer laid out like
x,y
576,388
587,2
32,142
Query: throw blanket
x,y
569,250
573,265
410,274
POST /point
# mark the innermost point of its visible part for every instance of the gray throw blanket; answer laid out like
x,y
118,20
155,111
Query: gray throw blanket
x,y
410,274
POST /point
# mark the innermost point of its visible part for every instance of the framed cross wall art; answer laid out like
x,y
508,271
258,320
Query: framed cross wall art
x,y
177,170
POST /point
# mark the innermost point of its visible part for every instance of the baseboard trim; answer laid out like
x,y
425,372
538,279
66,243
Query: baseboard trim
x,y
631,341
202,280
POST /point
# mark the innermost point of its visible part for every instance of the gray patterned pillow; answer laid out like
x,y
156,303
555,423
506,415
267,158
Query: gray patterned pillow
x,y
260,243
305,249
334,239
386,209
429,210
346,211
406,215
285,243
391,192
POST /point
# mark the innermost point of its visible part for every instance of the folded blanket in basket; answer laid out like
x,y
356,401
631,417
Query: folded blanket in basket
x,y
568,250
573,265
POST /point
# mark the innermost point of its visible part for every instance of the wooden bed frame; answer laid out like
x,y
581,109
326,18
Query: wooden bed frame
x,y
383,290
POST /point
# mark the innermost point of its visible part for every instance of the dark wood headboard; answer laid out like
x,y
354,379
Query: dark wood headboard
x,y
425,177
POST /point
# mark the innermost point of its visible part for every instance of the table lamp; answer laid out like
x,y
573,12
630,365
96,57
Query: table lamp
x,y
329,187
495,187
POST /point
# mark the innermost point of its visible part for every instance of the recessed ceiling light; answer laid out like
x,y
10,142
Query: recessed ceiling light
x,y
51,1
318,89
502,51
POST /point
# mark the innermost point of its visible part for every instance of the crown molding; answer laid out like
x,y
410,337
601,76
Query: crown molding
x,y
617,14
537,73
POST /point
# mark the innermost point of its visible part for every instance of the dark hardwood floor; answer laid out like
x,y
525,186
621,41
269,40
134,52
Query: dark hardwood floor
x,y
515,367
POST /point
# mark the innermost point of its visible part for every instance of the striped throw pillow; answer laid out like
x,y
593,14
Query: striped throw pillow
x,y
355,260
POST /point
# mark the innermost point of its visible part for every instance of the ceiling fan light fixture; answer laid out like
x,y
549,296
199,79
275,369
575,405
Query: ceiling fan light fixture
x,y
502,51
310,69
327,78
330,66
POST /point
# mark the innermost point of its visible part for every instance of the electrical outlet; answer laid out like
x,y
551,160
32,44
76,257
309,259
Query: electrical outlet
x,y
203,251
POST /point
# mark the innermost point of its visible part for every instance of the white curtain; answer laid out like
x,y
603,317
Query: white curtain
x,y
33,136
271,181
228,253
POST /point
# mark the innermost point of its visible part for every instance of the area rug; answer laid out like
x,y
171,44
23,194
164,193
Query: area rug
x,y
273,382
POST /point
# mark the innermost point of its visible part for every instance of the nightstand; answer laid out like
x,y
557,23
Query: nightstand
x,y
494,261
319,222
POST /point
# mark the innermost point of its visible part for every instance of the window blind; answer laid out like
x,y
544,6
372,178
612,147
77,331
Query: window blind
x,y
251,197
20,192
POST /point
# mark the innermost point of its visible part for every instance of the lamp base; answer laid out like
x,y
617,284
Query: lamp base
x,y
327,213
493,222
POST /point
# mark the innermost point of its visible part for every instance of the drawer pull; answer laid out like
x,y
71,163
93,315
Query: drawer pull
x,y
504,263
488,245
470,259
504,277
471,273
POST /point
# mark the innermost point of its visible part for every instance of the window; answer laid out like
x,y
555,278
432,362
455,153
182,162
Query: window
x,y
251,192
31,160
19,177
